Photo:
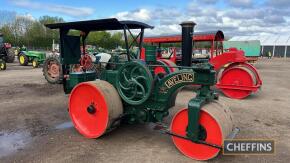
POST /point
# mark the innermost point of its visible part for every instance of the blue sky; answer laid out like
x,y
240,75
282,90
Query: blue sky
x,y
234,17
101,8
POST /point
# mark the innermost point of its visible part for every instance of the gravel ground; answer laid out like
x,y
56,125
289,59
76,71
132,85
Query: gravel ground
x,y
35,126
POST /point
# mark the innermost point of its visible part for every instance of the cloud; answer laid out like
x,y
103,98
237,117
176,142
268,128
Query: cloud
x,y
26,16
279,3
241,3
209,1
275,19
236,17
139,14
160,17
242,18
61,9
245,13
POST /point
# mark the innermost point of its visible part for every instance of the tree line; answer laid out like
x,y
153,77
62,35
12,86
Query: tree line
x,y
33,34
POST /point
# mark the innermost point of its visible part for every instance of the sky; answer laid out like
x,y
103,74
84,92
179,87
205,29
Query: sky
x,y
233,17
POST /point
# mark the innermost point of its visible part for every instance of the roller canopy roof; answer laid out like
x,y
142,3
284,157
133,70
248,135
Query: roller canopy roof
x,y
197,36
99,25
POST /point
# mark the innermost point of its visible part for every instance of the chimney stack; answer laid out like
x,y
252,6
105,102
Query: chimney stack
x,y
187,42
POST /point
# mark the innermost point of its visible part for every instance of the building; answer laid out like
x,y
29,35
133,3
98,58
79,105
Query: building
x,y
277,45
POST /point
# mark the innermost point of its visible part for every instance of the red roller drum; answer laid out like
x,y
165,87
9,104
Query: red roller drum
x,y
215,118
238,81
93,106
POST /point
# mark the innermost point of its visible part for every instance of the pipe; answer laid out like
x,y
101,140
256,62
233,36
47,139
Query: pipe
x,y
187,43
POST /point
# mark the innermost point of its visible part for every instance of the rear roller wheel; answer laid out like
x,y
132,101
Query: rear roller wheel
x,y
238,75
93,107
166,68
162,69
170,64
215,125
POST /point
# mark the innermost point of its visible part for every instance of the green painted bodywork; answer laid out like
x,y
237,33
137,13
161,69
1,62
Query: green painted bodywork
x,y
162,91
77,77
150,53
251,48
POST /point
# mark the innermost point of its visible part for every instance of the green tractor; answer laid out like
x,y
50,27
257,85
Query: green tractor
x,y
130,90
6,53
35,57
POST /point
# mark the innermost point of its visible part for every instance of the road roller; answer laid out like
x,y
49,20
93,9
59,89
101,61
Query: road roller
x,y
236,78
127,89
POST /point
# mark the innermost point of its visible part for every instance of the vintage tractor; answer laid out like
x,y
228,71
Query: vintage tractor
x,y
35,57
128,90
236,78
52,69
6,53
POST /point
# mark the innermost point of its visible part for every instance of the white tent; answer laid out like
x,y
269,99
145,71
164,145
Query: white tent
x,y
277,45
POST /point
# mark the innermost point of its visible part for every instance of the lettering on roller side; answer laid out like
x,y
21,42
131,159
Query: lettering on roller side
x,y
179,78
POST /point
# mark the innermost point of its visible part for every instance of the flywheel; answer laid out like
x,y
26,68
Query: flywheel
x,y
134,83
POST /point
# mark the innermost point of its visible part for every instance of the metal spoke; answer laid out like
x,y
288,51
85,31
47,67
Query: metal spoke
x,y
133,70
134,94
125,77
140,85
123,87
140,77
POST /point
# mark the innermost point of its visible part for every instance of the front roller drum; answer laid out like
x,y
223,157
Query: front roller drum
x,y
216,123
93,107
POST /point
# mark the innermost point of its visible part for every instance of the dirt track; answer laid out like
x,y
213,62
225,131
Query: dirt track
x,y
35,126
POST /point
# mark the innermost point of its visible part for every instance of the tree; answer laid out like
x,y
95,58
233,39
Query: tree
x,y
100,39
117,40
8,37
34,34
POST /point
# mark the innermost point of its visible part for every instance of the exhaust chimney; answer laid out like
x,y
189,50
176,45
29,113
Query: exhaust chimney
x,y
187,43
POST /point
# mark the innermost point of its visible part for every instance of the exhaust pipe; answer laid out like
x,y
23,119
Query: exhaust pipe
x,y
187,42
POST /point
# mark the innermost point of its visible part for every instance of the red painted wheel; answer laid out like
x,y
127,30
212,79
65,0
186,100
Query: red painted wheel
x,y
86,62
170,67
93,106
53,69
163,69
171,64
216,123
238,75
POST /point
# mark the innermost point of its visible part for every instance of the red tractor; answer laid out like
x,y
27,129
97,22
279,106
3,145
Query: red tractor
x,y
6,53
235,78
